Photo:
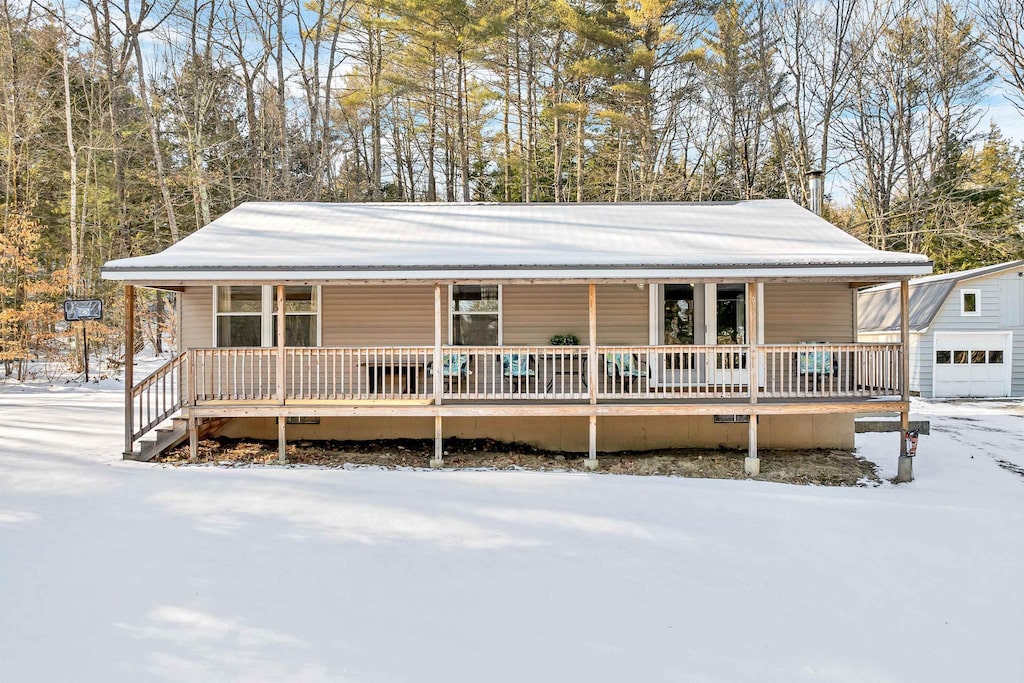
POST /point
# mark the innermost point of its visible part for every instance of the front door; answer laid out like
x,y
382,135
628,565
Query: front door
x,y
729,327
703,315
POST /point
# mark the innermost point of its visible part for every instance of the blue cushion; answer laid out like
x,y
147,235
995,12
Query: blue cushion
x,y
814,362
453,365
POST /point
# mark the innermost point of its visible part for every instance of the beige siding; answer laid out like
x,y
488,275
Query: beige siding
x,y
196,317
356,315
570,433
369,315
808,311
623,314
533,313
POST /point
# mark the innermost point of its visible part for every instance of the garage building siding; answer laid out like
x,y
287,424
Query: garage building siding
x,y
1001,297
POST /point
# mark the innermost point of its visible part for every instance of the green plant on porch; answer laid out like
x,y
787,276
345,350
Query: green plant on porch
x,y
564,340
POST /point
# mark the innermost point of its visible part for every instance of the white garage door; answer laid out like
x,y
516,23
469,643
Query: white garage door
x,y
973,364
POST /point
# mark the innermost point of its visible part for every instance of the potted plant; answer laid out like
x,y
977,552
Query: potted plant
x,y
564,340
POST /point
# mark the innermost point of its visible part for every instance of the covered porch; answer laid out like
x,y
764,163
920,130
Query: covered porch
x,y
523,380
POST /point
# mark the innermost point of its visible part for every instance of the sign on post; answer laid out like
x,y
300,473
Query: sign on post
x,y
83,309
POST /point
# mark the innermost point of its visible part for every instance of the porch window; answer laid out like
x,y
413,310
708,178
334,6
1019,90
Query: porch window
x,y
680,314
300,317
731,308
475,318
239,316
246,315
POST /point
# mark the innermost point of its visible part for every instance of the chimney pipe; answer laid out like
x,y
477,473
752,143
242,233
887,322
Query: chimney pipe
x,y
816,188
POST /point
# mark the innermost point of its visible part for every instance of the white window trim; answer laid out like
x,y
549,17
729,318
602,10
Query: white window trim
x,y
267,312
452,312
654,313
977,302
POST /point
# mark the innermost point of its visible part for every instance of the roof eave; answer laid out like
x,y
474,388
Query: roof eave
x,y
850,272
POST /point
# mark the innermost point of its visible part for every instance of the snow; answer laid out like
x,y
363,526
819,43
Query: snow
x,y
122,571
345,241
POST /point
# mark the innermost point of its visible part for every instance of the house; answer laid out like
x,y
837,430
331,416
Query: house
x,y
966,330
366,321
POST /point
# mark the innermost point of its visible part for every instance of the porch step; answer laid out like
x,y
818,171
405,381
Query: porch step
x,y
167,436
170,435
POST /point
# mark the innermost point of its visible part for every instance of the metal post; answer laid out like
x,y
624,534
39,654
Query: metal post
x,y
905,470
85,352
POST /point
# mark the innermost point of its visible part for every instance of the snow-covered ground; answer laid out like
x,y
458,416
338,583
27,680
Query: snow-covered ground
x,y
120,571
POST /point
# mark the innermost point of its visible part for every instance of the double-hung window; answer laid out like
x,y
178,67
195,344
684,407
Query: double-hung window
x,y
240,313
246,315
475,318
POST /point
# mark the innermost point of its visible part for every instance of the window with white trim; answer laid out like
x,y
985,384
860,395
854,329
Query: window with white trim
x,y
245,315
475,315
970,302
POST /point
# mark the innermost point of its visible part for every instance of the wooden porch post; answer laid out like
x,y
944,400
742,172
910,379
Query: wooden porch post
x,y
752,465
282,453
591,461
282,394
905,470
129,368
438,380
193,438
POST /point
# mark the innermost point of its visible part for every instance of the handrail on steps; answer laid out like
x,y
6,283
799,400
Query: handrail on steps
x,y
158,397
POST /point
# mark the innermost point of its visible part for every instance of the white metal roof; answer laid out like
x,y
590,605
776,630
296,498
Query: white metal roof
x,y
303,241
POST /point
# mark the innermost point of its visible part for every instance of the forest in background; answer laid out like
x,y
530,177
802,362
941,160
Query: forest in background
x,y
125,126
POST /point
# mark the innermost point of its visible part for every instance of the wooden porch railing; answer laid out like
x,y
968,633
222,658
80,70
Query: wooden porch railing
x,y
159,396
830,370
508,373
558,373
667,372
313,373
363,373
515,373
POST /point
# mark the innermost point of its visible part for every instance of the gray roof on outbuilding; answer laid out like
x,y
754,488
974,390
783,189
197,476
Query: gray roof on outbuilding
x,y
401,241
878,308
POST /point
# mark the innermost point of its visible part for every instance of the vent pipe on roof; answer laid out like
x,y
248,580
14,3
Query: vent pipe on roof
x,y
816,191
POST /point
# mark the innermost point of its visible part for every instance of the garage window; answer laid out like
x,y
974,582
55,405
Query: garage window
x,y
977,357
995,356
943,357
970,302
960,357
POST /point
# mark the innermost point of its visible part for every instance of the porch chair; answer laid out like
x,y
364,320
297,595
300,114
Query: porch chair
x,y
818,363
624,370
517,369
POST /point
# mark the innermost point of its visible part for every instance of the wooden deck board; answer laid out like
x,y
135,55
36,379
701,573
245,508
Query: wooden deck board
x,y
418,408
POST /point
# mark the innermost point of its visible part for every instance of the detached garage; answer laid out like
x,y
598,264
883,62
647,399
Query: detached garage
x,y
974,364
966,331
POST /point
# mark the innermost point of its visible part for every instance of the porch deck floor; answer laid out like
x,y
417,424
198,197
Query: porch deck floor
x,y
497,407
